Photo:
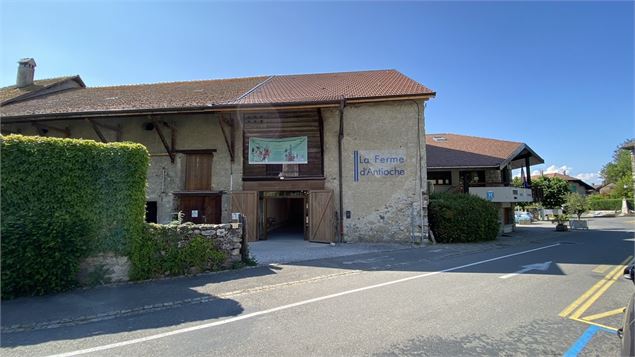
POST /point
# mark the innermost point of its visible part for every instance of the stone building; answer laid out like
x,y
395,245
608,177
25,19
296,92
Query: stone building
x,y
482,167
329,157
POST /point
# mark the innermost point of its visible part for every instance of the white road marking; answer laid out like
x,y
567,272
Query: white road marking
x,y
285,307
538,266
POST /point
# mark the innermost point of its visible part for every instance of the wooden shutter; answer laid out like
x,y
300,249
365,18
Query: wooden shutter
x,y
321,216
246,202
198,172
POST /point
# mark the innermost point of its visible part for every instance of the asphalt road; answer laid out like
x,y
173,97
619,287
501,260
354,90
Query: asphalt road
x,y
436,300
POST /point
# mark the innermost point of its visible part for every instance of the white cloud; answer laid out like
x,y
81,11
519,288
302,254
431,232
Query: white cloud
x,y
590,177
561,170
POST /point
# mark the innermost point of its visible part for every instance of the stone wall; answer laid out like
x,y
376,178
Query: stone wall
x,y
107,268
382,208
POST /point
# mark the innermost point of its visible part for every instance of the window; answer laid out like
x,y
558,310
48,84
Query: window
x,y
440,177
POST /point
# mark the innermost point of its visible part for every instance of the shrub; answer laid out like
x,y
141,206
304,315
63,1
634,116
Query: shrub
x,y
608,204
163,250
62,200
576,204
458,217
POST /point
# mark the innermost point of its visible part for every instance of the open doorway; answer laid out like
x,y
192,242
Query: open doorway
x,y
284,215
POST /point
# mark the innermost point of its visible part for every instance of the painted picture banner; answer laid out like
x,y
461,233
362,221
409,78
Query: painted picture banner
x,y
278,151
373,164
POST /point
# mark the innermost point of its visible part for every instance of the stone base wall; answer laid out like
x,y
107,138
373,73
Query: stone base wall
x,y
109,268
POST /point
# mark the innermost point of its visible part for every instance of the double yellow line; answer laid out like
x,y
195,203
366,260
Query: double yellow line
x,y
575,310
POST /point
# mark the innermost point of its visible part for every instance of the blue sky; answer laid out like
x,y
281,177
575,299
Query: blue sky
x,y
558,76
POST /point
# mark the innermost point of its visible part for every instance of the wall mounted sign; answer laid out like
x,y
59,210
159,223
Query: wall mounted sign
x,y
372,164
278,151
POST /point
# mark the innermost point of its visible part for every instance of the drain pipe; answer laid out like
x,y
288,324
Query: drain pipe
x,y
339,156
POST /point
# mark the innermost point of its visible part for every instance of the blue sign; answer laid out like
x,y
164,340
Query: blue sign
x,y
490,195
372,164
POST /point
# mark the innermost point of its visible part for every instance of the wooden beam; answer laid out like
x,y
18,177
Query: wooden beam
x,y
162,137
41,127
228,141
97,130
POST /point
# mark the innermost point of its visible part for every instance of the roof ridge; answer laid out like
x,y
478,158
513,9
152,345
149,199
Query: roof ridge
x,y
174,82
479,137
341,72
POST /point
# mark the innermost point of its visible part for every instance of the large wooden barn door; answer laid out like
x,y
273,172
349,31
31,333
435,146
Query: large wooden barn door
x,y
246,202
321,216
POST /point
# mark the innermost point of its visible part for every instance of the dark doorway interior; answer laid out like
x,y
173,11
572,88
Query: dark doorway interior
x,y
151,211
285,217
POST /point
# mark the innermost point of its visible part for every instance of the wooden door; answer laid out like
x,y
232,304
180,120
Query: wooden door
x,y
201,209
198,172
321,216
246,202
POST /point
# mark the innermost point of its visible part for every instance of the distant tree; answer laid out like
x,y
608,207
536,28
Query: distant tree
x,y
554,190
576,204
619,172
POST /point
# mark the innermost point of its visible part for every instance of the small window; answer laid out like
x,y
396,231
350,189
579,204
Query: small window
x,y
440,177
440,139
151,211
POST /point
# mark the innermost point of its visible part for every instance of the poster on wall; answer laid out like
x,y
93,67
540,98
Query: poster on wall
x,y
369,164
278,151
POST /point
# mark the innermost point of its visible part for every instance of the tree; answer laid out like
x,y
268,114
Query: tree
x,y
554,191
619,172
576,204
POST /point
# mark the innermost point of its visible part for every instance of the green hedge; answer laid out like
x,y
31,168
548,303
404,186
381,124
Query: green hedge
x,y
64,199
163,250
608,204
458,217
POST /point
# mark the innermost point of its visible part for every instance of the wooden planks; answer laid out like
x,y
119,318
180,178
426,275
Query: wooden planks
x,y
246,202
284,124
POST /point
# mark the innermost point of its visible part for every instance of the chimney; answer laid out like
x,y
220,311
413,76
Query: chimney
x,y
26,70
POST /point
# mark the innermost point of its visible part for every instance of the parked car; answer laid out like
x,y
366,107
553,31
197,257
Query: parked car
x,y
627,332
523,217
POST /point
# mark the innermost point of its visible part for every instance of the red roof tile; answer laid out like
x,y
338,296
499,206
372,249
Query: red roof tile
x,y
452,150
288,89
330,87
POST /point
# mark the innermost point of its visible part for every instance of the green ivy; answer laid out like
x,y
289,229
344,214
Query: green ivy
x,y
62,200
459,217
165,250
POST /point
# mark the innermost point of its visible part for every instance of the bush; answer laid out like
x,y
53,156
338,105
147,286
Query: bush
x,y
162,250
62,200
458,217
608,204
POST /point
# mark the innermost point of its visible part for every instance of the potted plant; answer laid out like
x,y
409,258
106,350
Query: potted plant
x,y
561,222
576,204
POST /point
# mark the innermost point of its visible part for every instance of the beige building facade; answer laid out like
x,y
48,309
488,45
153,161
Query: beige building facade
x,y
364,179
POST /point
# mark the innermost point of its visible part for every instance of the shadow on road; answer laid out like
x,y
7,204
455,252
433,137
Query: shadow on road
x,y
119,308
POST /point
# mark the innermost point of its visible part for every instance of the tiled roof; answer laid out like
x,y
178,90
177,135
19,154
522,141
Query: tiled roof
x,y
135,97
566,178
452,150
273,90
12,92
330,87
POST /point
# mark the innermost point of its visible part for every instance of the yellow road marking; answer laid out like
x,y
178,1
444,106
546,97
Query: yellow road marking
x,y
590,292
601,268
594,323
604,314
615,274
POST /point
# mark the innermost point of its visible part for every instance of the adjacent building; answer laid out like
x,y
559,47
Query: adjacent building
x,y
576,185
328,157
482,167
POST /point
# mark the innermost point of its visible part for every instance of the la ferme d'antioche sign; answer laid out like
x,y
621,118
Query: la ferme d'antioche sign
x,y
374,163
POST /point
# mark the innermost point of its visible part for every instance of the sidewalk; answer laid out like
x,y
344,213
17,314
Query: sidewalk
x,y
108,302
